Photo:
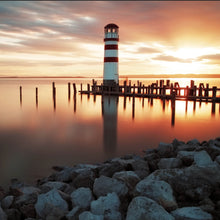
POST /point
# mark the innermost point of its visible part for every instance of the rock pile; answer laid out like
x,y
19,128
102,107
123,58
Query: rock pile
x,y
177,181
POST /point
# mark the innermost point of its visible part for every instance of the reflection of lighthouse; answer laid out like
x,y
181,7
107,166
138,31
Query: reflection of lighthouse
x,y
110,75
110,110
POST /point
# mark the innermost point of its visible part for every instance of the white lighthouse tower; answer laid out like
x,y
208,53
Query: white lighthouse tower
x,y
110,75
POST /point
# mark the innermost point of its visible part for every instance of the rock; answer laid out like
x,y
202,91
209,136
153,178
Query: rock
x,y
186,147
141,168
207,205
104,185
25,199
199,180
165,150
65,175
191,213
130,178
176,143
48,203
159,191
151,156
193,142
29,190
169,163
217,159
3,216
202,159
74,213
187,157
2,193
54,184
82,197
28,211
13,214
85,178
89,216
143,208
7,202
107,206
110,168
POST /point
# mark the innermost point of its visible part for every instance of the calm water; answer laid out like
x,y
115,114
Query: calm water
x,y
34,137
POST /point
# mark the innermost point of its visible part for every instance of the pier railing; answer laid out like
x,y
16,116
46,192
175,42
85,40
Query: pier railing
x,y
157,90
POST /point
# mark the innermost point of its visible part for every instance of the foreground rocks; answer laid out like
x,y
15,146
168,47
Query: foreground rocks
x,y
176,181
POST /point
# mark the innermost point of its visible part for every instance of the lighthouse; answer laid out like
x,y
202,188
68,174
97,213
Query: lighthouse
x,y
111,38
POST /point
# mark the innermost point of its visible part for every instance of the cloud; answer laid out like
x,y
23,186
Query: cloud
x,y
210,59
168,58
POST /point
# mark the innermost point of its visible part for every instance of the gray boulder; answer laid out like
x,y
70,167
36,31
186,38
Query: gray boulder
x,y
193,142
82,197
54,184
217,159
29,190
7,202
104,185
159,191
3,216
169,163
202,159
108,169
143,208
191,213
130,178
49,203
89,216
165,150
74,213
107,206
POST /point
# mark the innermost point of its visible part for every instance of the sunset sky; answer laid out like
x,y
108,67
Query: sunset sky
x,y
65,38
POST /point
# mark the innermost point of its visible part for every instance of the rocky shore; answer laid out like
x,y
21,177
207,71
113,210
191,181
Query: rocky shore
x,y
176,181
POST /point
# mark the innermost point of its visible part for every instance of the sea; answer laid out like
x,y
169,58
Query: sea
x,y
39,133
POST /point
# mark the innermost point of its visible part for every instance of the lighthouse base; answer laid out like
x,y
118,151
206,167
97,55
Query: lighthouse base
x,y
110,85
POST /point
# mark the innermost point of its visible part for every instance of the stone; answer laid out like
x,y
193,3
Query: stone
x,y
143,208
187,157
200,180
176,143
130,178
207,205
3,216
74,213
7,202
202,159
110,168
29,190
165,150
48,202
186,147
104,185
105,204
169,163
193,142
66,175
85,178
82,197
25,199
28,211
159,191
191,213
141,168
54,184
13,214
217,159
89,216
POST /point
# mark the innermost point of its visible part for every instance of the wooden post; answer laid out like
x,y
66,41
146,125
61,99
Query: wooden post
x,y
88,87
168,83
36,97
207,90
20,95
133,107
125,87
69,91
74,89
134,89
54,98
81,87
214,89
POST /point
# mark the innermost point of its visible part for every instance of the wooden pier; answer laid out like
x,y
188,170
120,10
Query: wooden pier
x,y
159,90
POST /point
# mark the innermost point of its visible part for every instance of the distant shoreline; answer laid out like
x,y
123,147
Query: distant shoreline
x,y
198,76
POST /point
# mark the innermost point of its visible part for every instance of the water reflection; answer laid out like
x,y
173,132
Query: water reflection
x,y
110,112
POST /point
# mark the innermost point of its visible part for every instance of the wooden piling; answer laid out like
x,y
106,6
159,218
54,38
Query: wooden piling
x,y
20,95
36,97
69,91
74,89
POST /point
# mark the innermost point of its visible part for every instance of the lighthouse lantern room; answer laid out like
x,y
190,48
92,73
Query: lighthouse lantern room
x,y
110,75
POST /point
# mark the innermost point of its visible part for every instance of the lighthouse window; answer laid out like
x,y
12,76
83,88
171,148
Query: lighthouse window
x,y
109,30
113,30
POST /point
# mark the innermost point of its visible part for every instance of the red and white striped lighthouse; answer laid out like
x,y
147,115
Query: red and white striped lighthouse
x,y
110,75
